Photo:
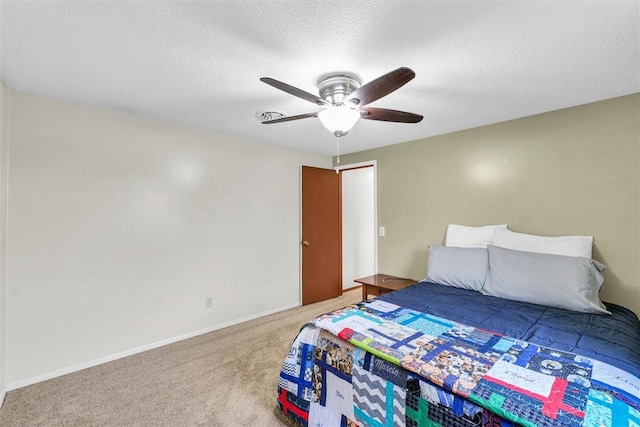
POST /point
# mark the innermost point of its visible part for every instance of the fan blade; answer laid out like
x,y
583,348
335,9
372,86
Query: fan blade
x,y
386,115
381,86
294,91
289,118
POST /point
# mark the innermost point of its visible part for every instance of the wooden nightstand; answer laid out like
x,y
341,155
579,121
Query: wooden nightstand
x,y
379,284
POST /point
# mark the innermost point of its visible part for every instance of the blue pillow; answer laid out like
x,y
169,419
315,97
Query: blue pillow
x,y
568,282
458,267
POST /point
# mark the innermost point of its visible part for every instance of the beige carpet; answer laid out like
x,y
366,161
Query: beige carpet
x,y
223,378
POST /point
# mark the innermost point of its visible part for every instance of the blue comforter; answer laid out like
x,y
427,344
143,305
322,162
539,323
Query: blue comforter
x,y
611,339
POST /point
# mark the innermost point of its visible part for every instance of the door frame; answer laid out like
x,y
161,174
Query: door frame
x,y
374,164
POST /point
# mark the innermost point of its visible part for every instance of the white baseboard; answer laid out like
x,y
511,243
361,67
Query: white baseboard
x,y
3,394
136,350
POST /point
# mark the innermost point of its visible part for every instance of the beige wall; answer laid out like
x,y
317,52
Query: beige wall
x,y
572,171
121,226
4,125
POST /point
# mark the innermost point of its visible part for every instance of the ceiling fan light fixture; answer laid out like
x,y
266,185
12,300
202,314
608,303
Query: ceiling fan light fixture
x,y
339,120
346,100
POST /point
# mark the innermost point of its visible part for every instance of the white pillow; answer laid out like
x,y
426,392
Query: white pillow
x,y
562,245
464,236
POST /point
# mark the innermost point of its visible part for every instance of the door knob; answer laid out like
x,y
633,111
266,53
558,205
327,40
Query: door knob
x,y
305,243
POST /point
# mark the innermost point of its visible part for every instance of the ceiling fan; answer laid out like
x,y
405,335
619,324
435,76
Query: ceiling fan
x,y
345,100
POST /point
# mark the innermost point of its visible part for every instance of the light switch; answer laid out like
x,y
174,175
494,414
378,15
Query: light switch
x,y
381,231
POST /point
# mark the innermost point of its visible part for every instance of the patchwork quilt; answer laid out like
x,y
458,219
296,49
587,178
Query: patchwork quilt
x,y
381,364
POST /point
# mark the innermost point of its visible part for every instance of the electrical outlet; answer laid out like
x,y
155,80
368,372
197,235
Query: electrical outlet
x,y
208,303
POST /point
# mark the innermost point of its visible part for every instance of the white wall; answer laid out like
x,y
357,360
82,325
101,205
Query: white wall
x,y
3,229
120,227
358,225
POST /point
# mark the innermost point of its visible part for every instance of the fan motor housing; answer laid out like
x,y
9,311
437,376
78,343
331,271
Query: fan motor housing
x,y
336,88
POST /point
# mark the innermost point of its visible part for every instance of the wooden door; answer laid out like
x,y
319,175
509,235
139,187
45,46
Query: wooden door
x,y
321,235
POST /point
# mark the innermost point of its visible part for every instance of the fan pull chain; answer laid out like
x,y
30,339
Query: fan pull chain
x,y
337,151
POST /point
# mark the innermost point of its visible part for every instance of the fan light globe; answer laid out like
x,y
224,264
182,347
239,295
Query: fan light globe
x,y
339,120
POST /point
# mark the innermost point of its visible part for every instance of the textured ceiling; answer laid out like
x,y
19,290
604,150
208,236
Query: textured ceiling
x,y
199,63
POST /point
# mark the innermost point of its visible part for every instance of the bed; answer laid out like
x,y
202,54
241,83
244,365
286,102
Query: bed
x,y
453,354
